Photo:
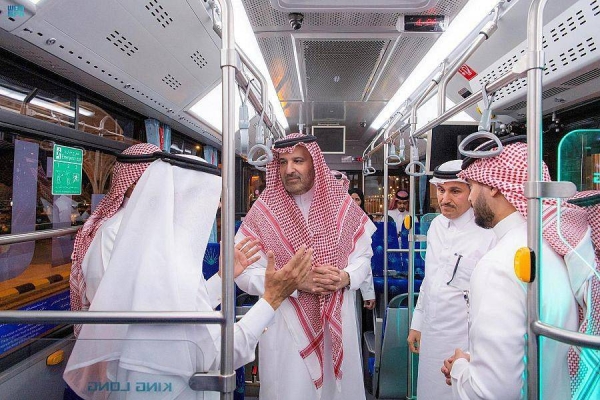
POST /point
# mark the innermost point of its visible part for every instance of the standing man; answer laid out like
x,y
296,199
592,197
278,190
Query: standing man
x,y
94,242
495,364
454,245
311,350
398,209
154,267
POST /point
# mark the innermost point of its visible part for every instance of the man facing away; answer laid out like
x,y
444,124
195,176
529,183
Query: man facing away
x,y
494,366
95,240
311,350
154,267
454,245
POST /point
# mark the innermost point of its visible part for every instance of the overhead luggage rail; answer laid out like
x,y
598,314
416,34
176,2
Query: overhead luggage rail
x,y
519,70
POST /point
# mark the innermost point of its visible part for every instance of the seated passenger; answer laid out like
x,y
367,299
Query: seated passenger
x,y
153,267
398,209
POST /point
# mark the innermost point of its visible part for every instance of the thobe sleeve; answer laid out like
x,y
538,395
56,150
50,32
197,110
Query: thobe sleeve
x,y
108,243
367,288
497,339
580,267
214,289
418,312
246,333
359,261
252,280
421,306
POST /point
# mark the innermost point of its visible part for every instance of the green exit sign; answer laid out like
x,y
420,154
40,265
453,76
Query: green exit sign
x,y
596,177
66,170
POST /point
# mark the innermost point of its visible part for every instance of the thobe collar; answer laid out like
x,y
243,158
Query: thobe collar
x,y
304,200
509,223
459,222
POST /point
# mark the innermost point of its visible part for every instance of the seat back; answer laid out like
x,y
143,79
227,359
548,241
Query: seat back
x,y
394,262
393,367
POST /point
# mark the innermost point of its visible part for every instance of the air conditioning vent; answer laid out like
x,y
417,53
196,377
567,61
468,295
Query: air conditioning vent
x,y
571,59
159,13
122,43
198,59
171,82
578,80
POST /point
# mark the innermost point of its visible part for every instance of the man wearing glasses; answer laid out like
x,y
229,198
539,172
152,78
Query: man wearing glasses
x,y
454,245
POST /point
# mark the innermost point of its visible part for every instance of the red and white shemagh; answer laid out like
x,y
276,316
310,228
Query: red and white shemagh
x,y
124,175
334,225
583,362
508,173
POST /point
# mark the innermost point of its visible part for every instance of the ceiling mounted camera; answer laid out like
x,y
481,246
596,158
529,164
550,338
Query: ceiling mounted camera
x,y
296,20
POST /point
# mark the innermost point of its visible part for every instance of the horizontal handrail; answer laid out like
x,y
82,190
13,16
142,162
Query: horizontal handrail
x,y
112,317
469,101
565,336
29,236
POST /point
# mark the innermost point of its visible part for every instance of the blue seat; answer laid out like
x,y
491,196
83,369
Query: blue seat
x,y
394,259
392,363
396,286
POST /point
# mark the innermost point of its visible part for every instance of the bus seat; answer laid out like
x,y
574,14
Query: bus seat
x,y
424,223
396,286
391,363
394,260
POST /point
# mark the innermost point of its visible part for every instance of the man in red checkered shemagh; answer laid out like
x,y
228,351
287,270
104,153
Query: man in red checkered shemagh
x,y
312,350
498,315
124,176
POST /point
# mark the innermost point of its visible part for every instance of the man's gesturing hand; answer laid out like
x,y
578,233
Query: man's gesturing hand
x,y
281,283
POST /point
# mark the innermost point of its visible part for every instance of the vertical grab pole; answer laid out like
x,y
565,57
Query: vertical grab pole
x,y
386,190
412,198
535,60
228,64
411,248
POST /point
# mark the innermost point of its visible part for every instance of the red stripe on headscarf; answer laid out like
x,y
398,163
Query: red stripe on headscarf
x,y
334,225
124,175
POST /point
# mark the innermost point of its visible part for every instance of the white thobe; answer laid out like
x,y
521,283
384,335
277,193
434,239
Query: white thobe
x,y
499,317
398,218
367,288
246,332
283,373
441,311
97,256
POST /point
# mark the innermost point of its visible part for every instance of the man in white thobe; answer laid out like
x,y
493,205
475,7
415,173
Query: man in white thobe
x,y
398,209
454,246
312,349
494,366
153,267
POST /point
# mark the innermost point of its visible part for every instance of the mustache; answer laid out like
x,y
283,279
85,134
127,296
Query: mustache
x,y
447,205
293,176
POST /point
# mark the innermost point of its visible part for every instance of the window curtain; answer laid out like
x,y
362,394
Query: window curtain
x,y
158,134
210,155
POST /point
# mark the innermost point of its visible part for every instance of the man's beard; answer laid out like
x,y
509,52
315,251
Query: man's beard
x,y
484,216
